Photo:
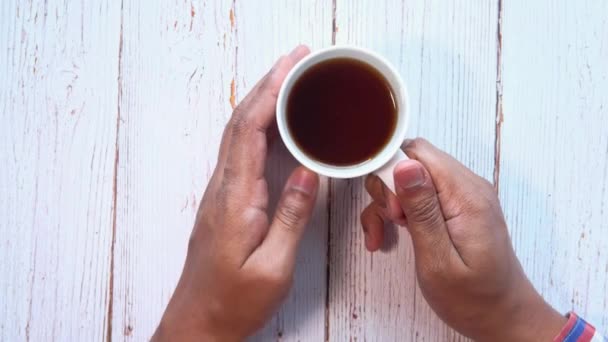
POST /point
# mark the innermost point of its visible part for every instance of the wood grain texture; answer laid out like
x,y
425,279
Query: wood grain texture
x,y
447,55
554,155
112,113
58,114
183,65
266,30
176,70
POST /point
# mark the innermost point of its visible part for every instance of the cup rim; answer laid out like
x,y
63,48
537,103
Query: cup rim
x,y
389,150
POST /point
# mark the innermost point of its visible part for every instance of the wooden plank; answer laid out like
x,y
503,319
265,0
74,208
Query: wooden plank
x,y
554,155
58,112
265,30
180,75
446,53
176,70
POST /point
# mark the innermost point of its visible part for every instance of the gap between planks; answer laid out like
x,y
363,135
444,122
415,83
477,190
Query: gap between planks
x,y
334,30
499,108
110,290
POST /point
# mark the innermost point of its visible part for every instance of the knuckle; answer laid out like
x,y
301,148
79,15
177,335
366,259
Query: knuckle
x,y
291,210
425,211
289,216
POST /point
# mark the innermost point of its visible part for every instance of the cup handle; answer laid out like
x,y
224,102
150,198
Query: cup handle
x,y
386,172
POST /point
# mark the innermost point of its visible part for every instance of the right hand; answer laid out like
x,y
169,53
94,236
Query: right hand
x,y
465,263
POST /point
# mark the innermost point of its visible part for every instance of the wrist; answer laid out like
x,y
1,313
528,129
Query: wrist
x,y
526,319
542,324
184,327
167,332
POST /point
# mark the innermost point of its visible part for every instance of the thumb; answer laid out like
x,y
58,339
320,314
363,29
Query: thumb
x,y
292,214
420,203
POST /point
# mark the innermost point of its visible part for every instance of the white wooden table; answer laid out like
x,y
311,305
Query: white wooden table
x,y
112,112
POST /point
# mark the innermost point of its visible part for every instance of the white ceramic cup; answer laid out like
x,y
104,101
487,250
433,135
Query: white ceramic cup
x,y
383,163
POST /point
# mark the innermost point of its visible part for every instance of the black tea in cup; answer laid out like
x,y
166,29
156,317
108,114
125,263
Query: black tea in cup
x,y
341,112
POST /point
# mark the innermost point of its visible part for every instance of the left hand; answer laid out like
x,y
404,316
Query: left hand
x,y
240,263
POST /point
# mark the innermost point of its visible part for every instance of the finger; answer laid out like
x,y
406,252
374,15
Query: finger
x,y
227,135
292,214
372,221
246,153
437,162
375,188
451,178
426,224
386,199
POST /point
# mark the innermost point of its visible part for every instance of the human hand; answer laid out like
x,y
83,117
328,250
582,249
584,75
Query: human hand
x,y
239,265
465,263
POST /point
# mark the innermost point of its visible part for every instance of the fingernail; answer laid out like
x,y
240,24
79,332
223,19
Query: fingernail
x,y
409,175
408,143
304,180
